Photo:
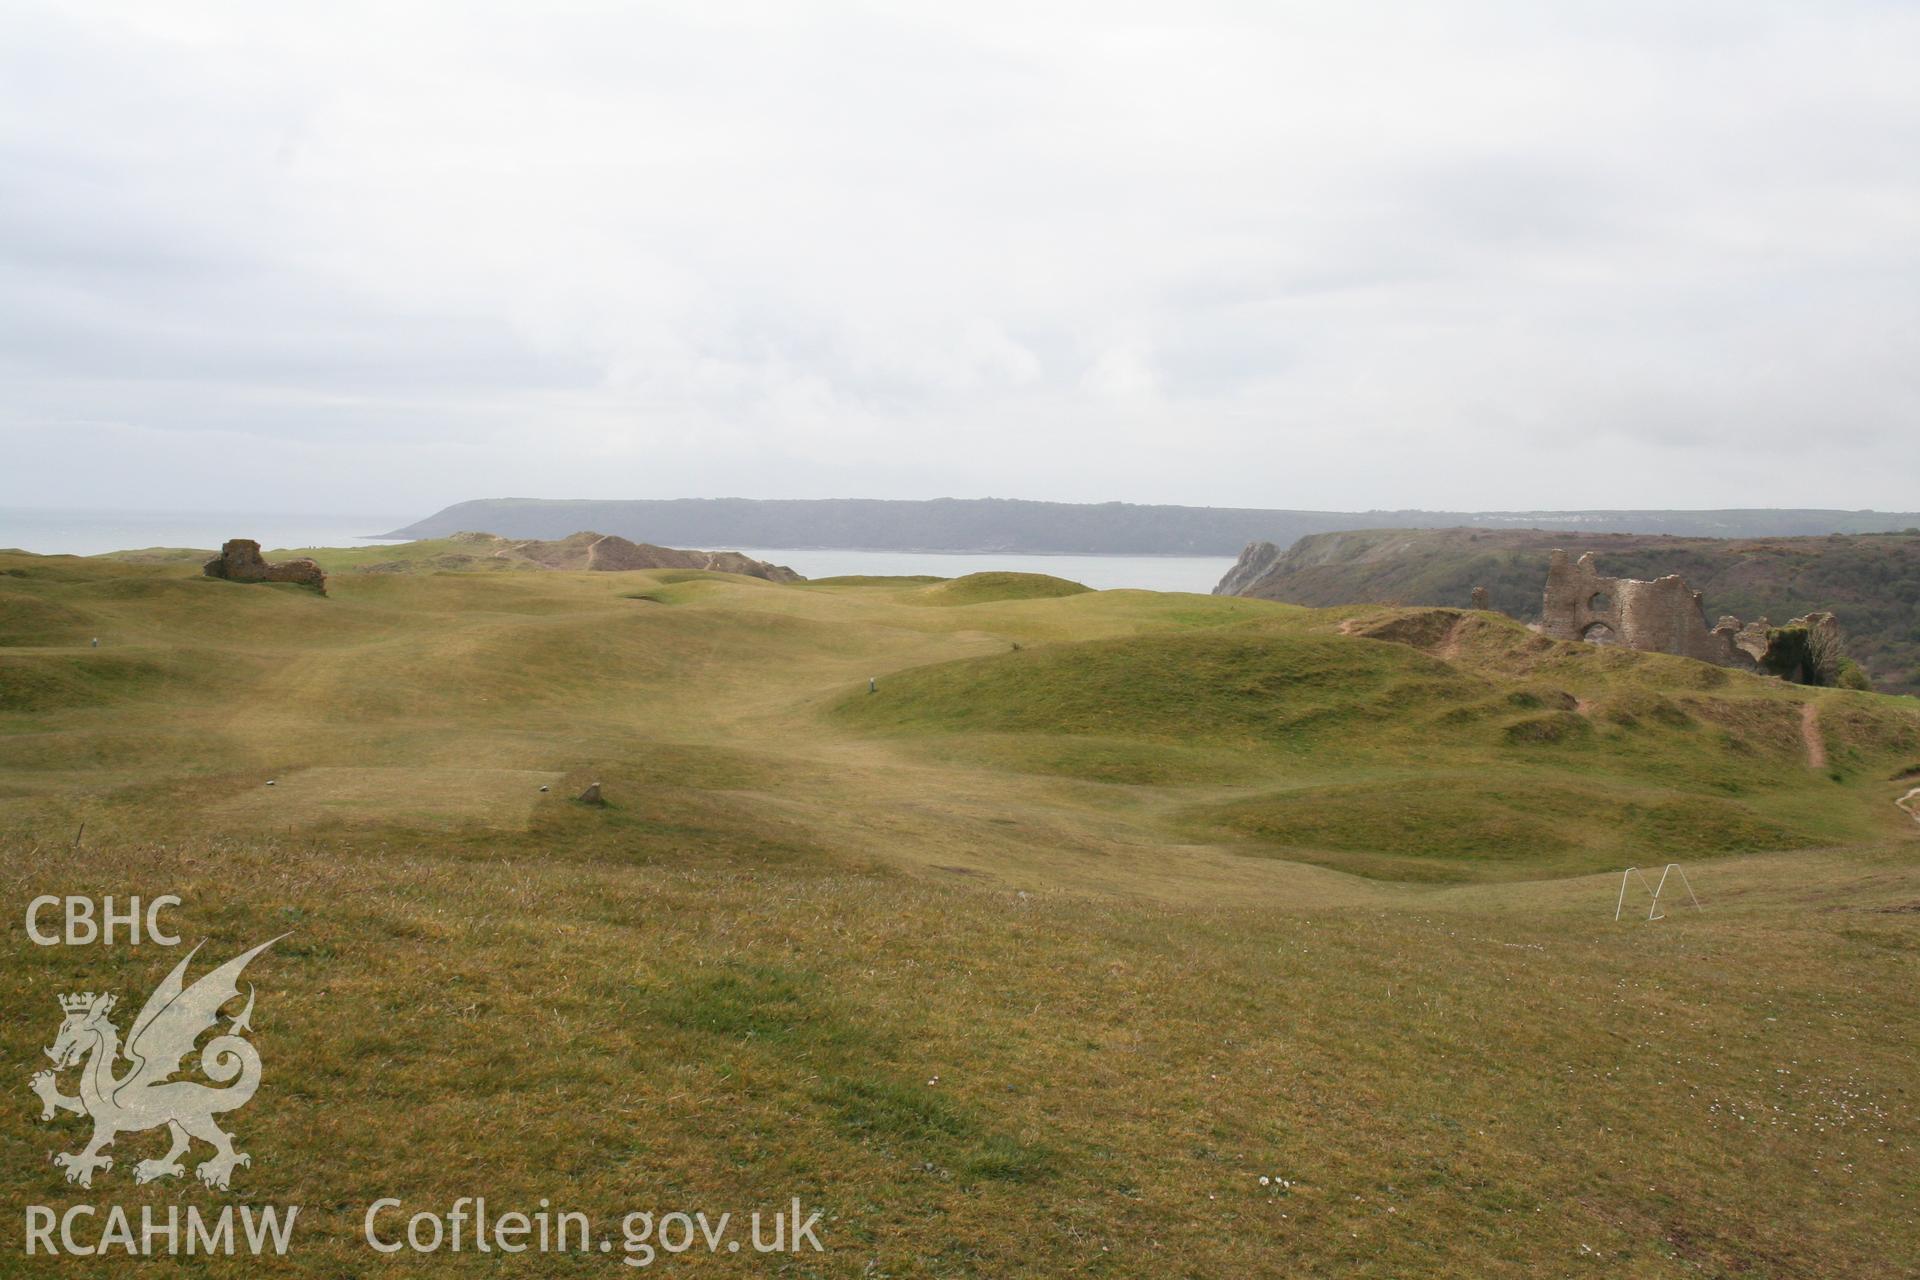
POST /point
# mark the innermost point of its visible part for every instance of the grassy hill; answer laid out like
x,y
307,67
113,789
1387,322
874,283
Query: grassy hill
x,y
1872,581
1101,909
1387,759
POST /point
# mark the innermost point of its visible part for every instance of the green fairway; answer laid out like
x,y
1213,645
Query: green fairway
x,y
1109,933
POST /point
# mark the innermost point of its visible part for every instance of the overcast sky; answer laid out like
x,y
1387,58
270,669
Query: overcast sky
x,y
383,257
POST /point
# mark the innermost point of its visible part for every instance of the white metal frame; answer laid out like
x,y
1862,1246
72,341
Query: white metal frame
x,y
1653,909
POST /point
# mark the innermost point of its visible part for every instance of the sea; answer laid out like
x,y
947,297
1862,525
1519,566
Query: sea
x,y
86,533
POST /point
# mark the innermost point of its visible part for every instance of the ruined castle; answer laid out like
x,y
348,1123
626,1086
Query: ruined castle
x,y
240,561
1661,616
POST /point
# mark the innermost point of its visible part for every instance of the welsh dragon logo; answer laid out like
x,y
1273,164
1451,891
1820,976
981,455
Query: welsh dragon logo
x,y
145,1096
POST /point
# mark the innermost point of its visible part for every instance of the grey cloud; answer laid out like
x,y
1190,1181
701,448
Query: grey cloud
x,y
1316,255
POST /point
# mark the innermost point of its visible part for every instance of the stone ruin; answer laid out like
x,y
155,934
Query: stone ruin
x,y
240,561
1661,616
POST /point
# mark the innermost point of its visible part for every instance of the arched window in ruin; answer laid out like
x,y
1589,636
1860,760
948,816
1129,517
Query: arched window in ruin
x,y
1599,602
1599,633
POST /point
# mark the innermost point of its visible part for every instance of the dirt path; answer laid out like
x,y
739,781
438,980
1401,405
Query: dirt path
x,y
1810,734
1911,803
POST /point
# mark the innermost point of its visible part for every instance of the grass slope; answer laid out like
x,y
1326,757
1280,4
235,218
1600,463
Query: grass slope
x,y
1516,757
1034,961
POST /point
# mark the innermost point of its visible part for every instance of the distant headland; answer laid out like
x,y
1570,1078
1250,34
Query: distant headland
x,y
1065,528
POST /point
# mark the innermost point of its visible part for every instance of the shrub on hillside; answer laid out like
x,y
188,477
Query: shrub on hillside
x,y
1853,676
1813,656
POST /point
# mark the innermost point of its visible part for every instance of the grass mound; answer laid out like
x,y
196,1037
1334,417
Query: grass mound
x,y
1093,758
28,620
1437,827
876,580
980,588
1241,684
1472,765
195,556
45,682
